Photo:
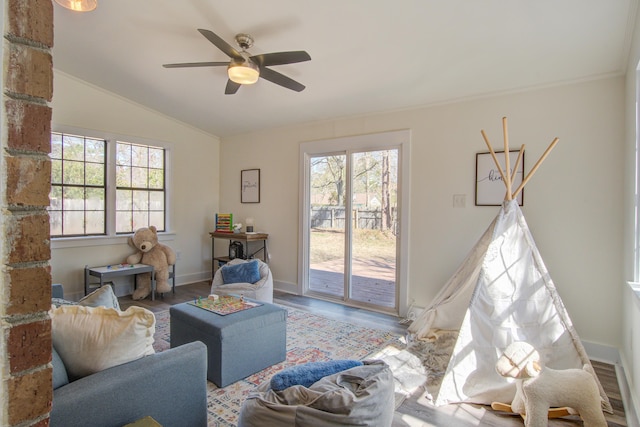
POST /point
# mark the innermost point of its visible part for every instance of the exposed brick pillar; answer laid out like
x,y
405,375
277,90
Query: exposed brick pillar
x,y
25,174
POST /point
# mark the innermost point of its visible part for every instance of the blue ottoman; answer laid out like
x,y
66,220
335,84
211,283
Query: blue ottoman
x,y
238,344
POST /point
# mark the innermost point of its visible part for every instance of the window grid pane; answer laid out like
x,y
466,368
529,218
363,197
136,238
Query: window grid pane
x,y
124,222
78,186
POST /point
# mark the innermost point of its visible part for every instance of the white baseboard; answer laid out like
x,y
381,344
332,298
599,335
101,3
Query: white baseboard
x,y
290,288
629,399
186,279
602,353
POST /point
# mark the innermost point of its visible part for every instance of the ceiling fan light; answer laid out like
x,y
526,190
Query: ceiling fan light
x,y
78,5
246,73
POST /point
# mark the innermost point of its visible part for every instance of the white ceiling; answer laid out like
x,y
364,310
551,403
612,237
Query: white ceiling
x,y
367,55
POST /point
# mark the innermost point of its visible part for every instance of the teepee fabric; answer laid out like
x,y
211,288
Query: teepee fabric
x,y
501,293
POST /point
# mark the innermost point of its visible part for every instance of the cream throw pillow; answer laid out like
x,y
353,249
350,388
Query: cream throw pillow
x,y
90,339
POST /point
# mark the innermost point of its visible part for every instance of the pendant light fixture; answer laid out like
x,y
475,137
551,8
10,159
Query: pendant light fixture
x,y
78,5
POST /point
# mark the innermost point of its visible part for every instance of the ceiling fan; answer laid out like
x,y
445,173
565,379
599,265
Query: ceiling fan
x,y
246,69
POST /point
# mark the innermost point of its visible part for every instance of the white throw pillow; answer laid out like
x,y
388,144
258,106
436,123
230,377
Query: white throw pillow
x,y
90,339
103,296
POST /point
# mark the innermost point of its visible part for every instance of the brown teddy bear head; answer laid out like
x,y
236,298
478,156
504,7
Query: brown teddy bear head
x,y
144,239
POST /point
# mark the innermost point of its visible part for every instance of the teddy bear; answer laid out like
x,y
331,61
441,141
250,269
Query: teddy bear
x,y
538,388
150,252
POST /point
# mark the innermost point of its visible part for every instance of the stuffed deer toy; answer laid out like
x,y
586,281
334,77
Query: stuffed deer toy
x,y
540,388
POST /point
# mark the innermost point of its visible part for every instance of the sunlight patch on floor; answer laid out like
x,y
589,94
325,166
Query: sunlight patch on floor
x,y
410,421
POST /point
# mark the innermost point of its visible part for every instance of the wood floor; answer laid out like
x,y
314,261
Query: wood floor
x,y
336,311
414,411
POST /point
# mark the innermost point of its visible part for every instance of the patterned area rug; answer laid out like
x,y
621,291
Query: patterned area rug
x,y
310,338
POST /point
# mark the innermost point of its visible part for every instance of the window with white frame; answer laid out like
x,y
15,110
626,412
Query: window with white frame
x,y
82,204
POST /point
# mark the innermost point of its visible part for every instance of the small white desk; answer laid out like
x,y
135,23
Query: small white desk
x,y
118,270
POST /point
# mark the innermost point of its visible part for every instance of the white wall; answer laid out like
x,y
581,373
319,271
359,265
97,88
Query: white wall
x,y
630,346
573,205
195,180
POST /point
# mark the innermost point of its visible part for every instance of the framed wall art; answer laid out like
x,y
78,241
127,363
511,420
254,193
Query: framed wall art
x,y
490,190
250,186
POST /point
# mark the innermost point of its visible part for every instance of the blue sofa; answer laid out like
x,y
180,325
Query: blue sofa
x,y
170,386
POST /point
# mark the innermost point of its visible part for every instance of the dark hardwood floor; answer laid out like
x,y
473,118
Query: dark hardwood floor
x,y
183,293
413,412
336,311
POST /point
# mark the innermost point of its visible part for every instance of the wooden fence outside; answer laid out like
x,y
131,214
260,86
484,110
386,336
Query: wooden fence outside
x,y
334,217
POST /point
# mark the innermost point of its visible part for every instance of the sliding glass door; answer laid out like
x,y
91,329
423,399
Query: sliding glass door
x,y
353,227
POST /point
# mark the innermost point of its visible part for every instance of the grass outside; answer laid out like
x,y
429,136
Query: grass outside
x,y
328,245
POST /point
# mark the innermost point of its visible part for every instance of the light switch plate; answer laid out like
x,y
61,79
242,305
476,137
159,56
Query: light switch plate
x,y
459,200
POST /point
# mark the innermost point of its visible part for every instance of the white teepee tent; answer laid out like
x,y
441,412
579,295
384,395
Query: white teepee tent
x,y
501,293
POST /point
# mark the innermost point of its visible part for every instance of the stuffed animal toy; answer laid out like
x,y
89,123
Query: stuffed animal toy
x,y
538,388
151,252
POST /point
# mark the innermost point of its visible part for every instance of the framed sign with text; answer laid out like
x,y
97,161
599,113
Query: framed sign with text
x,y
490,190
250,186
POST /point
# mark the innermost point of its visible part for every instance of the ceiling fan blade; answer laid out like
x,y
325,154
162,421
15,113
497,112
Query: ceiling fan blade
x,y
221,44
232,87
280,58
280,79
195,64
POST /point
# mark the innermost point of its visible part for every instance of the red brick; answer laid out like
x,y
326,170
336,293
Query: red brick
x,y
28,181
29,396
29,290
32,20
28,238
29,72
28,126
29,345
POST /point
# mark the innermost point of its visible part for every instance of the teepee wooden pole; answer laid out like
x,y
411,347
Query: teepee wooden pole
x,y
507,165
535,167
514,171
493,156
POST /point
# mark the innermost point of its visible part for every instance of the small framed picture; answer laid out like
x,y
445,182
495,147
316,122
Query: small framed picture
x,y
250,186
490,190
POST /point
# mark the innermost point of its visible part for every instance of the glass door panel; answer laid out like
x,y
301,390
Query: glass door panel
x,y
374,224
327,225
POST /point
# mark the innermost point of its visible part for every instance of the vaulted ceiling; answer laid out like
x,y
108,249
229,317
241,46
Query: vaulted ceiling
x,y
366,55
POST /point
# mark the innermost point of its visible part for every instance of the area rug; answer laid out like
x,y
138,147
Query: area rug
x,y
310,338
419,366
